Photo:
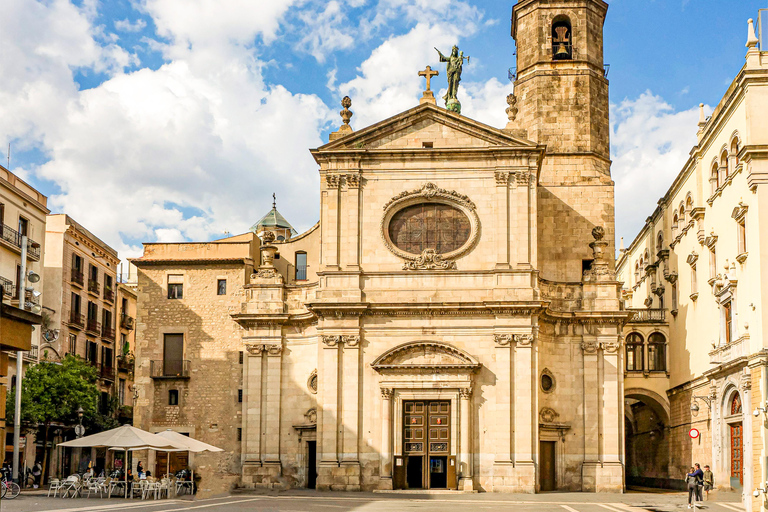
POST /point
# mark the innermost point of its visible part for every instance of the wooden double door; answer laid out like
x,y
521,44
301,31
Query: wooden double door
x,y
737,456
427,462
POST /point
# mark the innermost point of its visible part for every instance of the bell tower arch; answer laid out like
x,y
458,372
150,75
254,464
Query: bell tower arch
x,y
562,96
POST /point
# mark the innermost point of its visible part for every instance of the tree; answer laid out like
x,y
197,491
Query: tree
x,y
52,392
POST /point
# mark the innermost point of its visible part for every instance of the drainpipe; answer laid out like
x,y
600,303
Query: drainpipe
x,y
19,364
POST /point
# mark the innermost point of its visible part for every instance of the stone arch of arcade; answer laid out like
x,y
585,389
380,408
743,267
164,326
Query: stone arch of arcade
x,y
646,422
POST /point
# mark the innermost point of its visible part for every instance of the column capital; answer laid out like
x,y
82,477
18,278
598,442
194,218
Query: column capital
x,y
331,340
465,393
610,347
589,347
387,393
503,340
502,177
350,340
524,340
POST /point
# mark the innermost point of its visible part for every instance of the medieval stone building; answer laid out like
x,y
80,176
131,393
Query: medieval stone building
x,y
452,321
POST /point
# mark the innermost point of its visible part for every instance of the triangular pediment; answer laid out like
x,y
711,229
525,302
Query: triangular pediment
x,y
427,123
425,355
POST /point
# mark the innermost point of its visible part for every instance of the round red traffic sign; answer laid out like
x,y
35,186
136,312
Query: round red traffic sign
x,y
693,433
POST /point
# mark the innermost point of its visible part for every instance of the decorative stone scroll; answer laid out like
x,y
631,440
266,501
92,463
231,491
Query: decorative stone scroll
x,y
524,339
589,347
334,339
502,339
311,416
429,260
746,381
610,347
257,349
265,273
431,191
548,415
312,382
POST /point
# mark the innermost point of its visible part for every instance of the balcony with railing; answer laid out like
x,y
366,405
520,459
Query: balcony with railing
x,y
32,353
125,364
108,333
647,316
93,286
76,319
77,277
109,294
8,287
12,239
93,327
170,369
107,372
126,322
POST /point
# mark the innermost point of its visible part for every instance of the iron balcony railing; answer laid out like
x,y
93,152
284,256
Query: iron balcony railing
x,y
108,332
647,316
169,369
13,237
107,372
125,364
76,319
77,276
93,326
7,285
109,294
93,286
31,354
126,322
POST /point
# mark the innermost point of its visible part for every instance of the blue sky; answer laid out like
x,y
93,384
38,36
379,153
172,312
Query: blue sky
x,y
176,119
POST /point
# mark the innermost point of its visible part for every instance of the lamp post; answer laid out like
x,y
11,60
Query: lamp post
x,y
79,429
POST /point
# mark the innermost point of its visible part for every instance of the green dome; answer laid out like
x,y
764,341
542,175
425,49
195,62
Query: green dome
x,y
273,220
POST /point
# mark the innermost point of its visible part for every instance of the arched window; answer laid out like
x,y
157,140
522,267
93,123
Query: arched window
x,y
657,352
681,211
301,266
634,346
736,404
688,203
735,152
675,224
714,178
724,164
562,39
660,241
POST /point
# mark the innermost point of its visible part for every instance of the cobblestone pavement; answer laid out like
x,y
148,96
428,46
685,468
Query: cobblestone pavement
x,y
298,501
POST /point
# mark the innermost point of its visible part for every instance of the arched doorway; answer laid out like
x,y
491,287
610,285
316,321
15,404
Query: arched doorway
x,y
646,418
733,437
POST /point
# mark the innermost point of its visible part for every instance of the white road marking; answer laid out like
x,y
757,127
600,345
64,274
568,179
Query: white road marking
x,y
608,507
121,506
731,507
214,504
569,509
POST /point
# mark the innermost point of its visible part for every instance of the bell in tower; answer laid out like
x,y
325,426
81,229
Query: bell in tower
x,y
562,46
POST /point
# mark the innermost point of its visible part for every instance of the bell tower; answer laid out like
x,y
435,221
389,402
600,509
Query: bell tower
x,y
562,96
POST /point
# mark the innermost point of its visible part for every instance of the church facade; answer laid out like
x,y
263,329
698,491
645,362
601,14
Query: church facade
x,y
453,320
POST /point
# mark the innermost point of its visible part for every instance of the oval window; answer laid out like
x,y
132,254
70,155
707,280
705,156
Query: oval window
x,y
429,226
547,383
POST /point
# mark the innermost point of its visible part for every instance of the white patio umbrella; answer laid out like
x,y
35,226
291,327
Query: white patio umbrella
x,y
124,438
189,444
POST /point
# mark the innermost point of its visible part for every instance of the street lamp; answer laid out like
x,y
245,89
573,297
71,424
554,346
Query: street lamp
x,y
79,429
695,407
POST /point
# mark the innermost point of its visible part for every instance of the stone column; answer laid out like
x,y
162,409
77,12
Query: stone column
x,y
350,410
351,217
591,415
272,405
385,462
328,409
252,431
330,226
612,420
465,448
502,219
526,416
502,421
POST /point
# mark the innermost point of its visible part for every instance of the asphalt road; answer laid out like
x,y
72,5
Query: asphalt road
x,y
365,502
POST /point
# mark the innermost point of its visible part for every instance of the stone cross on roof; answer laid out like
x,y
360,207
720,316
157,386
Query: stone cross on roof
x,y
428,96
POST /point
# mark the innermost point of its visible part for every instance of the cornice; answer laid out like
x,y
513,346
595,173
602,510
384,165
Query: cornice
x,y
140,262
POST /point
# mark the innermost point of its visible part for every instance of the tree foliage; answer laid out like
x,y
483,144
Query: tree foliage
x,y
52,392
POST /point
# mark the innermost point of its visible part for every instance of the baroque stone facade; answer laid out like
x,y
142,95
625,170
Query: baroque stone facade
x,y
452,321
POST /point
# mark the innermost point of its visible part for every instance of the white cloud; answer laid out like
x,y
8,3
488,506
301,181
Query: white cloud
x,y
126,25
327,33
650,143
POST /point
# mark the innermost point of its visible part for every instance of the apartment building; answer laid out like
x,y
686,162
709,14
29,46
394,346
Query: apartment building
x,y
81,290
696,345
23,212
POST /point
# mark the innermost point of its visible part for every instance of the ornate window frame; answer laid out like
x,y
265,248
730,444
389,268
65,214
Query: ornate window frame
x,y
430,192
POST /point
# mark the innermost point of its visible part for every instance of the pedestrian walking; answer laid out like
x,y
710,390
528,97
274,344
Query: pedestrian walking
x,y
699,474
692,482
709,480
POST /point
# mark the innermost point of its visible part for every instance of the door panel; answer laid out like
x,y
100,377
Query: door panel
x,y
737,454
547,465
427,444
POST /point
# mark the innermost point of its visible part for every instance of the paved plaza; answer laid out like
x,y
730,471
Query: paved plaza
x,y
298,501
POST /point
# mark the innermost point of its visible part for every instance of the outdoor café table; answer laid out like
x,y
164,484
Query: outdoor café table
x,y
72,483
116,484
